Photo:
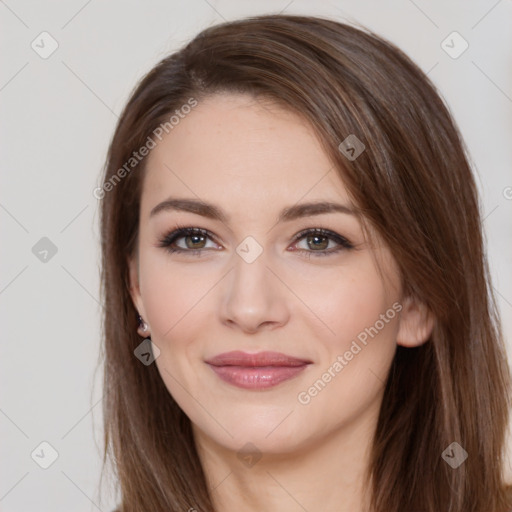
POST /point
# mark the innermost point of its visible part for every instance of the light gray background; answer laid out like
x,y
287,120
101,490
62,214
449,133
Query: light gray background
x,y
58,115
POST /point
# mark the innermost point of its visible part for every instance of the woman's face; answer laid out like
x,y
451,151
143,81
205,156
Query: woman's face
x,y
317,303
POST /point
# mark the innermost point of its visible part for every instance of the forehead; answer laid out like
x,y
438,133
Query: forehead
x,y
242,151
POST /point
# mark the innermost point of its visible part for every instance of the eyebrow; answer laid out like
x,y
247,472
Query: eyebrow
x,y
213,212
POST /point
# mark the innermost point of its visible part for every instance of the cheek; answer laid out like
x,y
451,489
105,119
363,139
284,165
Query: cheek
x,y
178,305
355,348
172,293
365,308
344,301
355,360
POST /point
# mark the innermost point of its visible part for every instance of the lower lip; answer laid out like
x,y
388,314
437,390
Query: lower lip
x,y
256,377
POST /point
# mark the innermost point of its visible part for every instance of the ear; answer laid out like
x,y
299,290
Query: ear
x,y
416,323
133,266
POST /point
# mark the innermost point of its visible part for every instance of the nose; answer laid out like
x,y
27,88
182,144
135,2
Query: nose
x,y
254,297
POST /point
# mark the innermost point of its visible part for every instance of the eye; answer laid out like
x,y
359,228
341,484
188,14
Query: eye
x,y
195,240
317,241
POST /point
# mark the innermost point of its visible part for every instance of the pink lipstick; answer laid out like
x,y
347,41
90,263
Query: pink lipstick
x,y
256,371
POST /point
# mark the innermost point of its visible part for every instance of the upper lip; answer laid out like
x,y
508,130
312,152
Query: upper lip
x,y
239,358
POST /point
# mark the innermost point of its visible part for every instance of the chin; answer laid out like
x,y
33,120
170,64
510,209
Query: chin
x,y
269,436
250,440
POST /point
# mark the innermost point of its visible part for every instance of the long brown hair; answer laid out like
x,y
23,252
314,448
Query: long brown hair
x,y
414,185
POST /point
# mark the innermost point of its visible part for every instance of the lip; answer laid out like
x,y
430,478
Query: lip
x,y
258,370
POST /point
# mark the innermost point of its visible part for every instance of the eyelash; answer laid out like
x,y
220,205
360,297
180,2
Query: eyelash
x,y
183,231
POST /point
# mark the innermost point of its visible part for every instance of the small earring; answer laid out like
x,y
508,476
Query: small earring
x,y
143,327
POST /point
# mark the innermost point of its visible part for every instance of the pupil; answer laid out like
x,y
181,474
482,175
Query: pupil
x,y
195,238
324,245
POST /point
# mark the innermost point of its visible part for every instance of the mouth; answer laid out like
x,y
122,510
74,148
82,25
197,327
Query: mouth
x,y
256,371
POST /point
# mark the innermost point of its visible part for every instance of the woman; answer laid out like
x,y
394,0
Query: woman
x,y
298,310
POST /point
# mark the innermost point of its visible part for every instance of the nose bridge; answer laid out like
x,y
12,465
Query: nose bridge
x,y
250,276
252,295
